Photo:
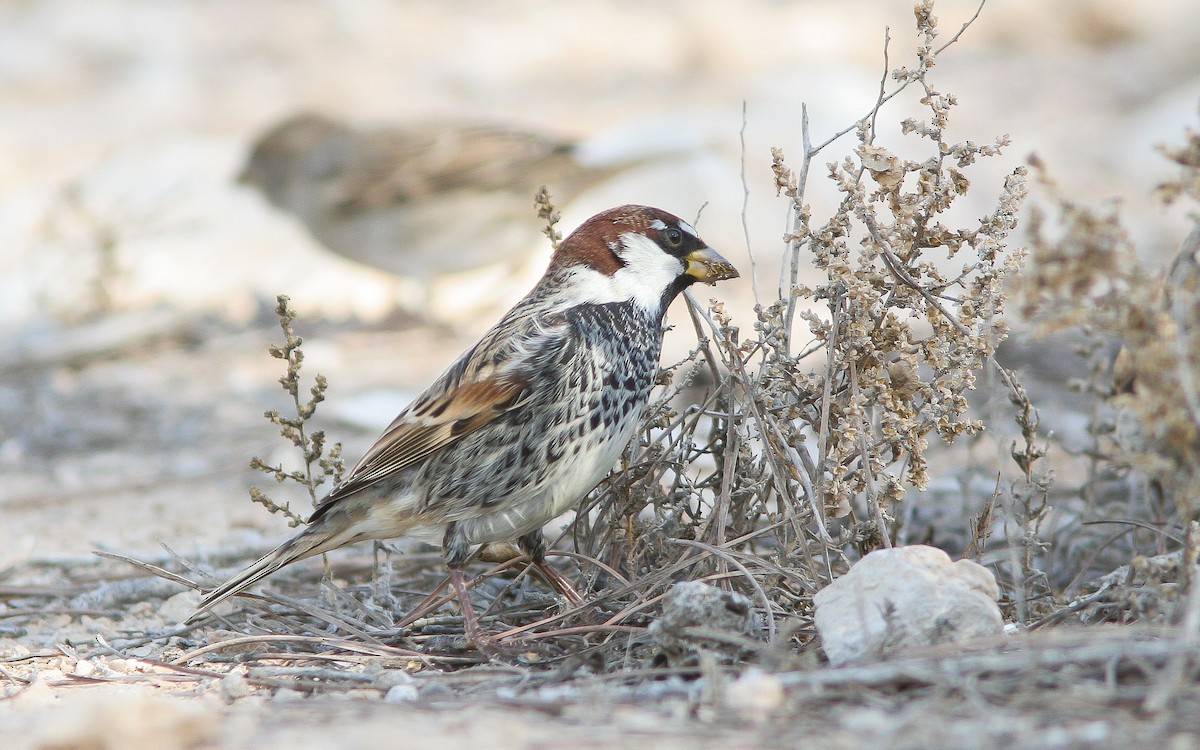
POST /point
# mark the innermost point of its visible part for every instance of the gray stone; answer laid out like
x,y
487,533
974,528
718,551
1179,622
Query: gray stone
x,y
699,617
905,597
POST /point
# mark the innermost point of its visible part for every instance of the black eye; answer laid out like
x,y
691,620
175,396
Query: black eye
x,y
673,236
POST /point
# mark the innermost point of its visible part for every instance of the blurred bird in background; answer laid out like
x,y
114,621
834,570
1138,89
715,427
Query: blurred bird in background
x,y
419,200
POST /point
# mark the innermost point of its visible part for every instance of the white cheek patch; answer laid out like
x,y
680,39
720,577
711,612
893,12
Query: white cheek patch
x,y
585,285
647,273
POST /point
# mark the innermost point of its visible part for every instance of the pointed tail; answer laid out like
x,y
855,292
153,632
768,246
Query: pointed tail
x,y
314,540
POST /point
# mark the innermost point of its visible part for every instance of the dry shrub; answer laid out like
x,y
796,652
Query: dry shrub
x,y
1138,325
789,467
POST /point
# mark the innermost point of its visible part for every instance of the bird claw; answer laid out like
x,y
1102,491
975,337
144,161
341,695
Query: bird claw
x,y
474,634
560,583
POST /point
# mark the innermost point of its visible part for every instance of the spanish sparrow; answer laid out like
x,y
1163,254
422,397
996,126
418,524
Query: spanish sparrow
x,y
419,200
528,420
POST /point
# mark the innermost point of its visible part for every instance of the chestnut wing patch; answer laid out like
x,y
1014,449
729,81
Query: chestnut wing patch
x,y
429,425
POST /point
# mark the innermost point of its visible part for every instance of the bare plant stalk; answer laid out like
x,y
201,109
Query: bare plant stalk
x,y
319,464
1028,502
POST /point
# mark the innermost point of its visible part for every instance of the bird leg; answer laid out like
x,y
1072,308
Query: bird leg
x,y
456,551
470,622
534,545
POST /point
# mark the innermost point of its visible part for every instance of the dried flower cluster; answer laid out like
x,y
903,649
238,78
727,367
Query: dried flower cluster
x,y
548,214
902,338
318,465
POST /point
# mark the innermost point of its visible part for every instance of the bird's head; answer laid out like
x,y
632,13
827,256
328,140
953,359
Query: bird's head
x,y
638,254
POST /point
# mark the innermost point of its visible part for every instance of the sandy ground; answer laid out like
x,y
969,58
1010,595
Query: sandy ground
x,y
124,123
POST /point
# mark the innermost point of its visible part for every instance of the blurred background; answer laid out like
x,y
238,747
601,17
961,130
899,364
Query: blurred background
x,y
126,125
128,122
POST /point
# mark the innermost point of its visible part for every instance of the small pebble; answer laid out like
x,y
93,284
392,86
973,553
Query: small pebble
x,y
755,692
401,694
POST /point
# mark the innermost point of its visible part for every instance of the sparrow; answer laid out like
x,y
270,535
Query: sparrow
x,y
528,420
419,200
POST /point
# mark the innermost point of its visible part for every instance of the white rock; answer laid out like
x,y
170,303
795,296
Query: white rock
x,y
755,692
286,695
235,685
905,597
401,694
